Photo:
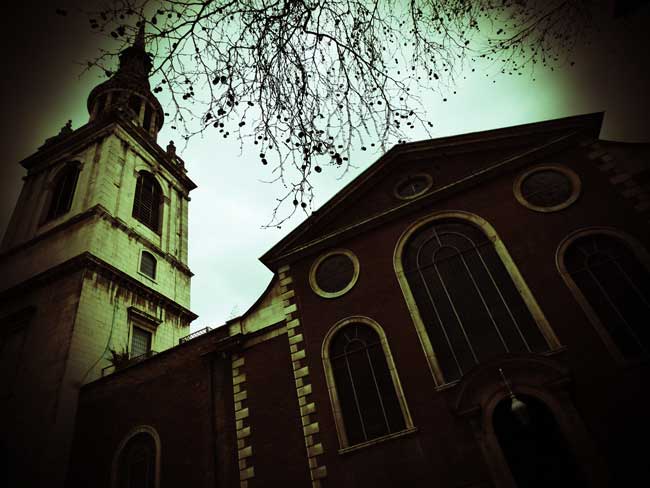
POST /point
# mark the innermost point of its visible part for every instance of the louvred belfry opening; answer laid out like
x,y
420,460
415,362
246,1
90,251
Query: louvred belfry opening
x,y
146,204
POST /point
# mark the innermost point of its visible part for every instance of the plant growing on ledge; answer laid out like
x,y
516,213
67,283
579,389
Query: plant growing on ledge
x,y
119,359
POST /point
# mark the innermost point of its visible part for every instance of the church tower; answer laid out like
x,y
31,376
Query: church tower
x,y
93,264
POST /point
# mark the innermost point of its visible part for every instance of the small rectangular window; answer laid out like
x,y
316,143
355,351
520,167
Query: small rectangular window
x,y
140,342
148,265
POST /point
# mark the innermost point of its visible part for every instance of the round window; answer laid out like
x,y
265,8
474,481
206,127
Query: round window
x,y
547,188
334,273
413,186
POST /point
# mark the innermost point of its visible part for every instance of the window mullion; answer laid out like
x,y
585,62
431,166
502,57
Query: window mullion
x,y
616,309
442,325
487,309
356,399
504,301
433,303
374,379
453,307
632,283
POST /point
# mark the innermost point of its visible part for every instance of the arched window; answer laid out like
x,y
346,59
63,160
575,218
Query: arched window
x,y
363,383
465,297
63,191
147,202
148,264
137,463
147,117
614,285
135,102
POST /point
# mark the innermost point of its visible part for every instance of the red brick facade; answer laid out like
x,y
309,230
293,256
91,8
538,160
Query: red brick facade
x,y
273,382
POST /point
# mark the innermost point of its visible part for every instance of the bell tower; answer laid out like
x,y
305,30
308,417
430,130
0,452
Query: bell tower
x,y
94,274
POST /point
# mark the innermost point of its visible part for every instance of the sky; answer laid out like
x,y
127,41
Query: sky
x,y
41,88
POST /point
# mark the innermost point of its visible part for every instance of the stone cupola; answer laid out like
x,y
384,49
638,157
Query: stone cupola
x,y
128,90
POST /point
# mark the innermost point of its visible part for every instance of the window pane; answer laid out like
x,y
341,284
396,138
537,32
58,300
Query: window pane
x,y
468,302
148,264
140,342
386,388
147,201
348,405
367,397
412,186
334,273
617,287
137,462
63,192
546,188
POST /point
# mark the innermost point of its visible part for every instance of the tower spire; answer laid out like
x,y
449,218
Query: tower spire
x,y
128,89
139,37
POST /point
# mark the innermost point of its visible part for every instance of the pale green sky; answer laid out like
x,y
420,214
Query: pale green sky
x,y
41,91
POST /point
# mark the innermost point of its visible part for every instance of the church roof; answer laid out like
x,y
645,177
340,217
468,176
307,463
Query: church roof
x,y
501,148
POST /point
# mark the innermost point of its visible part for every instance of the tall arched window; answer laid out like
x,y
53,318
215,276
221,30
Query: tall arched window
x,y
63,191
364,387
148,200
465,297
613,284
137,461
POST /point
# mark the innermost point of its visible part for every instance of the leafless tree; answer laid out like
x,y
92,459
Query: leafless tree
x,y
307,80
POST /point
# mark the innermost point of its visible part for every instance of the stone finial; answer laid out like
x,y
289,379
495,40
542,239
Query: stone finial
x,y
171,149
66,129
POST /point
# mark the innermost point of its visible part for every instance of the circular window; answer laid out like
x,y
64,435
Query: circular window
x,y
547,188
413,186
334,273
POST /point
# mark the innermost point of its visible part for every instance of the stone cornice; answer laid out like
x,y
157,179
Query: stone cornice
x,y
98,211
87,261
278,256
216,344
91,131
142,316
587,125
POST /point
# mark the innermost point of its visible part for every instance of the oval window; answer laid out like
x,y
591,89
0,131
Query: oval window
x,y
413,186
547,188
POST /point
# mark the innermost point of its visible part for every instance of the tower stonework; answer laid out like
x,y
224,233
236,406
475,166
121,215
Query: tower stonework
x,y
93,265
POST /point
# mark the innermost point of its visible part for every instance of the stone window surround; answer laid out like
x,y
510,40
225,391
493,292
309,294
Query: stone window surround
x,y
513,271
146,322
638,250
155,273
401,181
573,177
146,429
331,385
49,186
323,257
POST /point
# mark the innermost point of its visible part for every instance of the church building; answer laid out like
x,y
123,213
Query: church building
x,y
471,311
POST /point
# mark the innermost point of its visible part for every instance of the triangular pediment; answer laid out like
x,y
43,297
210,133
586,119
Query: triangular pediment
x,y
446,163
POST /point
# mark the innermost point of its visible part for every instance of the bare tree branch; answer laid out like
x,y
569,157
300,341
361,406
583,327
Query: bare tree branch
x,y
307,80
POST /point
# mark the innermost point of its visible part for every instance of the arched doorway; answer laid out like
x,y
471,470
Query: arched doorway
x,y
534,446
